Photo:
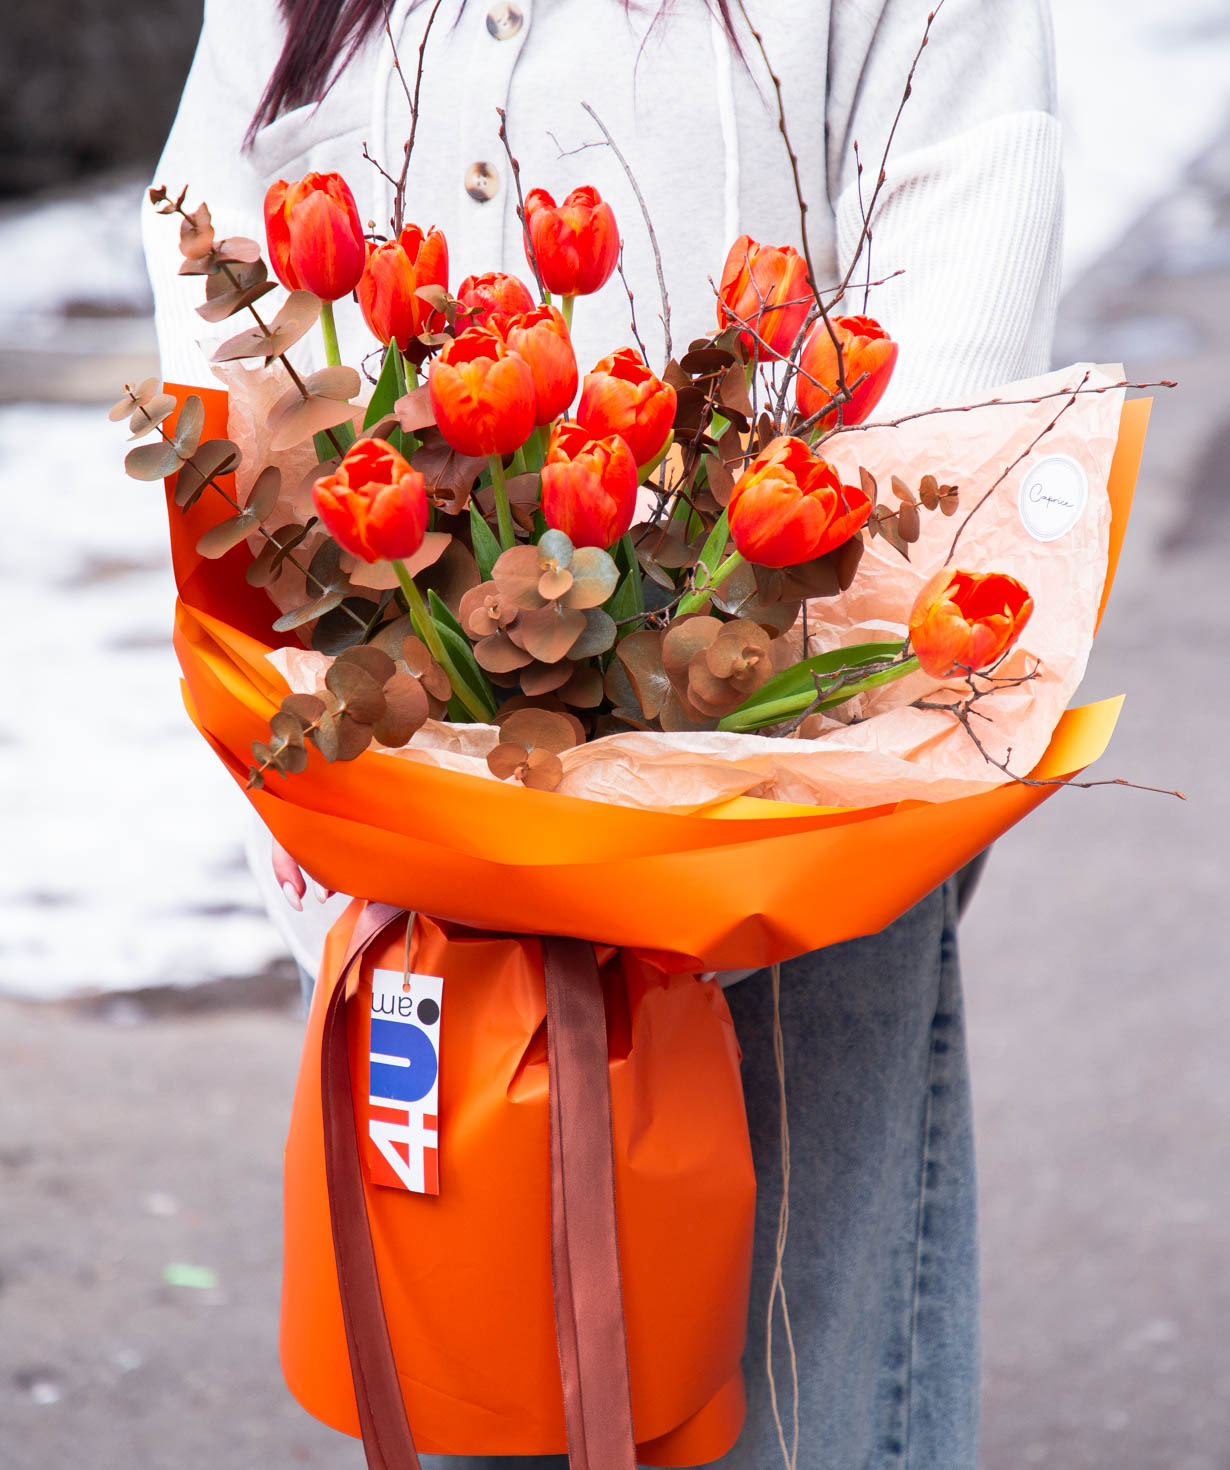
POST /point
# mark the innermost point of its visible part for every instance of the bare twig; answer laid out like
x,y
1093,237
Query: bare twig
x,y
821,307
882,175
653,239
531,253
1024,454
962,710
379,167
631,303
922,413
399,188
866,218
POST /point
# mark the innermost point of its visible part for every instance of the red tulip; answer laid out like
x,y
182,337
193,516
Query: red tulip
x,y
391,279
767,289
540,337
866,348
315,235
621,396
966,620
576,243
492,298
374,505
588,486
788,507
482,395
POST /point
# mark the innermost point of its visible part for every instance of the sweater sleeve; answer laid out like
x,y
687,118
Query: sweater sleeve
x,y
972,206
205,152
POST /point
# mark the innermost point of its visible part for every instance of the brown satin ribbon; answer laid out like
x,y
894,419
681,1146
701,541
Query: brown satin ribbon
x,y
589,1314
387,1440
584,1244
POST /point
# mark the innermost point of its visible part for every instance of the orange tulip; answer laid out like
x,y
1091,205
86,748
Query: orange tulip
x,y
492,298
966,620
866,348
588,486
621,396
576,243
482,395
540,337
767,289
788,507
315,235
391,279
374,505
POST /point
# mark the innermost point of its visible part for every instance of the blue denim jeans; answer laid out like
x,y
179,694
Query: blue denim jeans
x,y
881,1267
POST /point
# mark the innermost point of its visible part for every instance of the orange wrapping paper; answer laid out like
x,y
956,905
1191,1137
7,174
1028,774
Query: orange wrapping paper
x,y
737,886
466,1275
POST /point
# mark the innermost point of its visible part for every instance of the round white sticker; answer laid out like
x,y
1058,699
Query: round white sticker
x,y
1052,496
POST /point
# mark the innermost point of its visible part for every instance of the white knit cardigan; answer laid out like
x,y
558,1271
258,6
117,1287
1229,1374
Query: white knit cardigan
x,y
971,210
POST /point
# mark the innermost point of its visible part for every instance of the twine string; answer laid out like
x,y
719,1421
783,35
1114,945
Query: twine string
x,y
777,1289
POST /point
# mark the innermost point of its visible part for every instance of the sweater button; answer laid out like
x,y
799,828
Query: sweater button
x,y
504,21
482,181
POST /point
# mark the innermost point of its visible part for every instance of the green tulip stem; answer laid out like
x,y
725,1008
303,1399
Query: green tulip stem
x,y
694,601
430,635
790,706
565,306
503,513
412,374
328,330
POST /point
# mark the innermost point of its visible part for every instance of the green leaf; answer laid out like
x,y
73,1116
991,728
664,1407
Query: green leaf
x,y
486,547
462,655
323,442
793,690
715,544
390,386
440,613
459,649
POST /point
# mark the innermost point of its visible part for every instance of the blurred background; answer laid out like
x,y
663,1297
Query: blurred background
x,y
149,1026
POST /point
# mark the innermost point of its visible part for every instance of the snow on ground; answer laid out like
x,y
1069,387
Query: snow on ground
x,y
123,864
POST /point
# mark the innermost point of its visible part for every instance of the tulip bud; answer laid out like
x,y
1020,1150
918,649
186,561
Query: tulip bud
x,y
482,395
789,506
315,236
576,243
966,620
541,338
866,349
621,396
588,486
767,290
374,505
491,299
391,279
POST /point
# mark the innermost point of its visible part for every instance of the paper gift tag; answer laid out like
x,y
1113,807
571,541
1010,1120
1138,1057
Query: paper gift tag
x,y
402,1146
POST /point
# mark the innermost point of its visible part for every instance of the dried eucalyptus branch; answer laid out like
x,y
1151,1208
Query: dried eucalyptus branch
x,y
224,268
259,530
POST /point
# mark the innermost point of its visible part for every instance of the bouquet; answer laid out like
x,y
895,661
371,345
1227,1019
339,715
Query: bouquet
x,y
588,685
